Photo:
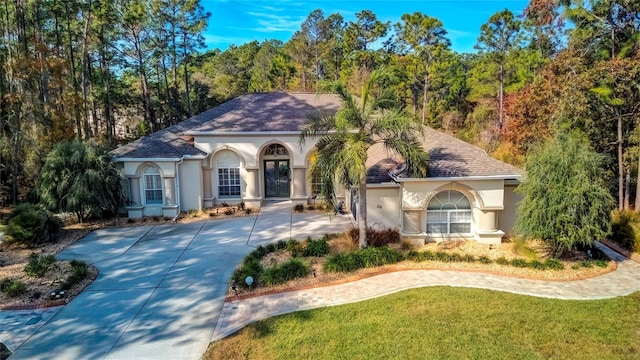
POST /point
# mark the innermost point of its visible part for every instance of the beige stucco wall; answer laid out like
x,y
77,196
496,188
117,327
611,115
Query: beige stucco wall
x,y
486,196
507,217
383,207
250,146
133,168
190,185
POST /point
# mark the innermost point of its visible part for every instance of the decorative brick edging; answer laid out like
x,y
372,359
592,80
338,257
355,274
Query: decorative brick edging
x,y
613,266
46,304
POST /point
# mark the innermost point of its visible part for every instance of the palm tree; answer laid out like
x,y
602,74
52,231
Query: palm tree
x,y
345,137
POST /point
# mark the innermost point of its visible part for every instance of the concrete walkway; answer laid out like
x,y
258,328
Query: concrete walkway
x,y
240,313
159,291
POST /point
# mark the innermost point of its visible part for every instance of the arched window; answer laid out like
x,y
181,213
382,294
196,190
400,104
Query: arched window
x,y
152,186
228,165
449,212
276,150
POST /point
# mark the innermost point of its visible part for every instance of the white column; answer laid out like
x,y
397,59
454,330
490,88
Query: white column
x,y
253,190
299,182
169,191
134,191
206,178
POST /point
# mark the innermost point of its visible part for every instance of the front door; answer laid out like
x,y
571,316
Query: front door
x,y
276,178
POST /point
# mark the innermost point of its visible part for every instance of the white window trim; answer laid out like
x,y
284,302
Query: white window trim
x,y
448,222
148,172
219,185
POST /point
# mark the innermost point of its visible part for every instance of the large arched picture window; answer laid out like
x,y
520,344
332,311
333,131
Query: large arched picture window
x,y
152,186
449,212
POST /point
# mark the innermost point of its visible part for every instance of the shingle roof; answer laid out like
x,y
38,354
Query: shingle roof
x,y
255,112
448,157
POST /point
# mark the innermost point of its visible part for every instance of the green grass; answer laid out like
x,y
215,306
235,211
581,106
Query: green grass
x,y
446,323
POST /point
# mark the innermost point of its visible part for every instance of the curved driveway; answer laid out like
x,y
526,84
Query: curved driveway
x,y
160,289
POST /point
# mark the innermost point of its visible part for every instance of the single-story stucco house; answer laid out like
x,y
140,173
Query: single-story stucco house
x,y
248,150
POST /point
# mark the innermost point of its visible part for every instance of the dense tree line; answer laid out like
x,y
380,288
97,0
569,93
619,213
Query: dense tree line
x,y
73,68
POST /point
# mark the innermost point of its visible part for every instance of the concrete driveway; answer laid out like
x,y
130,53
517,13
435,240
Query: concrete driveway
x,y
160,289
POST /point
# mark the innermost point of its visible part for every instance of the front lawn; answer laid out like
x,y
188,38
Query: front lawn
x,y
445,323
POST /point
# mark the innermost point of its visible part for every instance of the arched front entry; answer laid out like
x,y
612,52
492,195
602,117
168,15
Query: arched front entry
x,y
277,171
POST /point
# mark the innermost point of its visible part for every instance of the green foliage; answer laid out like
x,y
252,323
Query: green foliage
x,y
625,229
250,267
80,178
298,208
79,270
295,248
372,257
565,200
12,288
345,138
519,263
502,261
280,274
554,264
31,225
37,265
316,248
368,257
341,262
485,260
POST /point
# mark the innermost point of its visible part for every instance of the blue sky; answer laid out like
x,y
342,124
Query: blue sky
x,y
241,21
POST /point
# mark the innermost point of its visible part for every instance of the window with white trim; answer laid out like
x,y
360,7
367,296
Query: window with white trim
x,y
229,182
152,186
449,212
228,166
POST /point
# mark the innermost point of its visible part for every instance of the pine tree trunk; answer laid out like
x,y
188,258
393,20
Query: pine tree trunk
x,y
362,215
637,202
620,166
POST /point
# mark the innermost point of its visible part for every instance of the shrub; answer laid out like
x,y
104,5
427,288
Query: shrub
x,y
454,257
31,225
375,237
554,264
521,263
468,258
250,267
601,263
12,288
298,208
280,274
316,248
248,211
538,265
371,257
294,247
625,229
441,256
228,212
311,207
37,266
485,260
420,255
342,262
502,261
80,177
79,270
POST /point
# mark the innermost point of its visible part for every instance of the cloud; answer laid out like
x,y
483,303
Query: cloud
x,y
270,22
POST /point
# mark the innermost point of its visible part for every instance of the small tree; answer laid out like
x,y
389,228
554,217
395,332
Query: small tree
x,y
80,178
566,201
